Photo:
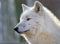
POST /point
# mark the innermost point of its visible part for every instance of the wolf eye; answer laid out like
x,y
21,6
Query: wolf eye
x,y
28,19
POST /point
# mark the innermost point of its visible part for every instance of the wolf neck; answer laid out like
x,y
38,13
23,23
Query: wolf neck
x,y
49,15
50,21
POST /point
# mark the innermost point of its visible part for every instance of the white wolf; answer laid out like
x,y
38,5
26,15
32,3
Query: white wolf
x,y
38,25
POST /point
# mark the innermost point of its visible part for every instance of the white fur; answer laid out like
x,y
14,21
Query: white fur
x,y
43,26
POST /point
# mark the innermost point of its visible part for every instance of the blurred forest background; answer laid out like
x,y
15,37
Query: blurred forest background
x,y
10,11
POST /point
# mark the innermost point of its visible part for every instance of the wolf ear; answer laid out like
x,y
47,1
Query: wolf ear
x,y
24,7
37,6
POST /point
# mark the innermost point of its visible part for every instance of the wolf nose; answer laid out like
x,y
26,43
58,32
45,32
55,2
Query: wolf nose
x,y
16,29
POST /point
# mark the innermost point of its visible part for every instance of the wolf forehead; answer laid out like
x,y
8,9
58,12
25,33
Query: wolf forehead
x,y
31,11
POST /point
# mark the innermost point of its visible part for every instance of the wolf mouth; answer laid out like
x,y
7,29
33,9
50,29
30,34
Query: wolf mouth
x,y
23,31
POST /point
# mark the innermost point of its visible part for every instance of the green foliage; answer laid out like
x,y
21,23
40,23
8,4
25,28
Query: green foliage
x,y
21,39
18,8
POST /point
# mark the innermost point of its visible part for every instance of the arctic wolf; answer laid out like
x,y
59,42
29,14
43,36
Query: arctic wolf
x,y
38,25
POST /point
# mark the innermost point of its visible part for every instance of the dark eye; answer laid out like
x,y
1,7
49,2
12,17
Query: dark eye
x,y
28,19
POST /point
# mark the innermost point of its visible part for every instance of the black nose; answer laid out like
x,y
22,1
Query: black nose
x,y
16,29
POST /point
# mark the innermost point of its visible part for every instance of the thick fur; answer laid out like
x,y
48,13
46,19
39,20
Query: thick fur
x,y
38,25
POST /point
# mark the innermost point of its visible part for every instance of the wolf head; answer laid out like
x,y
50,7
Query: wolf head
x,y
31,19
